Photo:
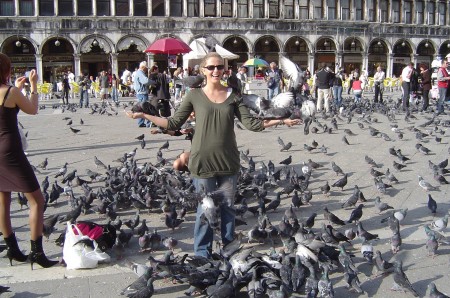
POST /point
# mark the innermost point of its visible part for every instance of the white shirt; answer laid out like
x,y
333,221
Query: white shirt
x,y
71,77
379,76
406,74
133,75
125,75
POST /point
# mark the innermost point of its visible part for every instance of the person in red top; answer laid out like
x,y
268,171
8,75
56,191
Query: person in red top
x,y
442,78
357,89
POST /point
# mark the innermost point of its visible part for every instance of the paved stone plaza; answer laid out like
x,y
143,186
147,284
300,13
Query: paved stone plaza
x,y
110,136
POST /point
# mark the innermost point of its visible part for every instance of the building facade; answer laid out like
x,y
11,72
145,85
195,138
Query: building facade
x,y
88,36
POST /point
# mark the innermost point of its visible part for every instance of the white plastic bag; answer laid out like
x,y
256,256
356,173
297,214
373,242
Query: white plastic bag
x,y
75,254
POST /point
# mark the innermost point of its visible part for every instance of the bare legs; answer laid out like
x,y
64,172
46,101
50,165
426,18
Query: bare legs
x,y
36,220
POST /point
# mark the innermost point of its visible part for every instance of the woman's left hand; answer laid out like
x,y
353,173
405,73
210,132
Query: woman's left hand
x,y
291,122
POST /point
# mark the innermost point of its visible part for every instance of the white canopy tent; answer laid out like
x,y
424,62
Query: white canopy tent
x,y
199,50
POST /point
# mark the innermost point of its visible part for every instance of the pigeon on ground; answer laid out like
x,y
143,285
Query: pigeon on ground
x,y
432,205
341,182
440,224
332,218
434,292
336,168
356,214
425,185
381,206
432,245
401,282
138,284
383,266
286,161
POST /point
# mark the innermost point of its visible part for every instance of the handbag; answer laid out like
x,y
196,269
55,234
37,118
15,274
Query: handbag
x,y
77,254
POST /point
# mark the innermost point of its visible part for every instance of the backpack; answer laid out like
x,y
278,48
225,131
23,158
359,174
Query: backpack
x,y
104,235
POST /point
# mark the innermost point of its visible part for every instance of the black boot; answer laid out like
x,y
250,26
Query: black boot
x,y
14,252
37,255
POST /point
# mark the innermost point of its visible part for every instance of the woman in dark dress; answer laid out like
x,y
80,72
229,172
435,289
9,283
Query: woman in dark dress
x,y
16,173
425,73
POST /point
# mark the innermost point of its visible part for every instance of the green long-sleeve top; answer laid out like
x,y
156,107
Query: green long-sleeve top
x,y
214,149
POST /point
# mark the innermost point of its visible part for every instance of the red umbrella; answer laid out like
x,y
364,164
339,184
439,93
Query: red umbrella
x,y
168,46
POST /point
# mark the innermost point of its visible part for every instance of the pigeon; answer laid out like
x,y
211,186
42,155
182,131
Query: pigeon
x,y
138,284
383,267
62,171
432,245
164,146
140,138
390,176
396,242
286,161
363,234
332,218
99,163
356,214
336,168
325,286
401,282
434,293
341,182
43,165
22,200
325,189
425,185
440,224
370,161
398,166
344,139
432,205
381,206
74,130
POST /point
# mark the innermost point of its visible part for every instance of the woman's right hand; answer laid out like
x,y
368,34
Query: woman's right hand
x,y
33,77
20,82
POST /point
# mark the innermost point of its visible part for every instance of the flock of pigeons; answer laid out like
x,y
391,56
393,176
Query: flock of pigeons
x,y
283,253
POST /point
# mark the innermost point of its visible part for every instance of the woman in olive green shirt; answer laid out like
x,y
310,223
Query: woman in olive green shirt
x,y
214,160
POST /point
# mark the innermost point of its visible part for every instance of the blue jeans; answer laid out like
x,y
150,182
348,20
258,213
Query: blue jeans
x,y
442,98
115,94
337,93
274,92
203,233
357,94
143,98
84,95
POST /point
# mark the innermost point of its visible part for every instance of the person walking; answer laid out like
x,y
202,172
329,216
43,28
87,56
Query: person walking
x,y
323,88
215,163
16,173
274,78
357,87
65,89
141,85
379,87
426,85
85,85
443,84
406,84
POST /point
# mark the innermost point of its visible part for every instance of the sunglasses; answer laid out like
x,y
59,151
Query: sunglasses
x,y
212,67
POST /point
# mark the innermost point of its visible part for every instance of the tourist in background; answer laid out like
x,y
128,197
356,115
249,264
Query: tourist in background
x,y
379,87
425,75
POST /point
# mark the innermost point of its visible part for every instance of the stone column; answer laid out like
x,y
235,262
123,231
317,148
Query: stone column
x,y
185,10
150,59
390,65
365,61
115,63
339,60
39,67
55,8
414,58
149,8
311,62
113,7
75,7
36,7
77,65
202,9
16,8
94,8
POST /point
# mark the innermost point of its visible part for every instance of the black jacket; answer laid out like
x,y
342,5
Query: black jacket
x,y
323,79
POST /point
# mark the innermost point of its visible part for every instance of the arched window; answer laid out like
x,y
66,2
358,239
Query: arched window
x,y
318,9
158,8
227,8
140,8
359,13
85,8
420,12
193,8
103,8
304,9
407,12
26,7
274,9
258,9
46,8
122,8
242,8
345,10
65,7
176,8
331,6
210,8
